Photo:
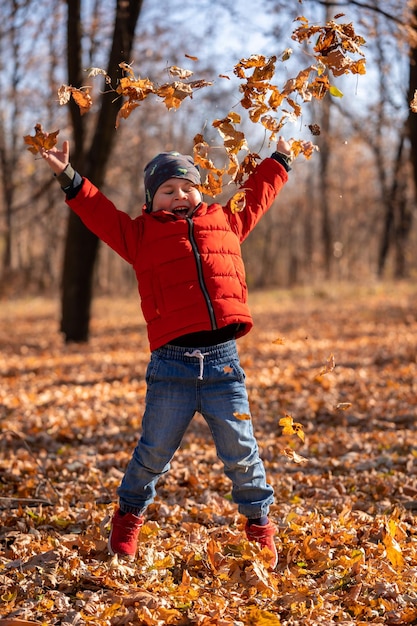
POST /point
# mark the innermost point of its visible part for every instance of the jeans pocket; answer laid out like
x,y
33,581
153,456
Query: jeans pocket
x,y
152,369
235,371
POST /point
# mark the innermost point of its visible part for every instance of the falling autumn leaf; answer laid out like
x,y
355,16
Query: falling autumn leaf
x,y
343,406
289,427
329,366
294,456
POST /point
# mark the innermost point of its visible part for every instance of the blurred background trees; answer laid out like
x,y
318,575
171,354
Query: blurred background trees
x,y
348,214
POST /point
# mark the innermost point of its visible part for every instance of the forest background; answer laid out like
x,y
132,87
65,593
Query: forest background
x,y
346,215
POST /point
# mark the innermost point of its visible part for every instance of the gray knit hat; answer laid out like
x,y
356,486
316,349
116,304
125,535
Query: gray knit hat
x,y
168,165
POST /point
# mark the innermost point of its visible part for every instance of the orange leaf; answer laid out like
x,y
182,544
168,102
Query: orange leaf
x,y
242,416
41,139
82,99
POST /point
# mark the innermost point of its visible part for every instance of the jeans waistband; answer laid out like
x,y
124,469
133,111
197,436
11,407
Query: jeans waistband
x,y
226,350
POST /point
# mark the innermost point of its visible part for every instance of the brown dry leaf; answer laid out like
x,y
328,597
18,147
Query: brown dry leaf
x,y
234,140
179,72
329,367
293,456
41,139
343,406
346,531
413,103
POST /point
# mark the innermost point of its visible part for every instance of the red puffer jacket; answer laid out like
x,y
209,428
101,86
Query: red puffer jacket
x,y
190,271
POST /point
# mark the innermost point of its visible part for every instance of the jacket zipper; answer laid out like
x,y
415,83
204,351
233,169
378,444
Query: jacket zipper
x,y
200,273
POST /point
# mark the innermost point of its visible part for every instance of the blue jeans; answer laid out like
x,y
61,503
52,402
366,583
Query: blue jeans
x,y
181,381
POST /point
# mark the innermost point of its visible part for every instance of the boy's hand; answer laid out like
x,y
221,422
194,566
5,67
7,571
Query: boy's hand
x,y
56,159
283,146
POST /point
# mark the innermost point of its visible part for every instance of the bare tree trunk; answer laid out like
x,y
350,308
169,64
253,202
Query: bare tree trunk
x,y
412,87
326,229
8,149
81,245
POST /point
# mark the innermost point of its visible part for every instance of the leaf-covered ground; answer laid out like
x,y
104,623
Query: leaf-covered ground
x,y
343,365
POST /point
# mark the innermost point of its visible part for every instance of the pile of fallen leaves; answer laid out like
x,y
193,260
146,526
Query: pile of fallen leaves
x,y
340,368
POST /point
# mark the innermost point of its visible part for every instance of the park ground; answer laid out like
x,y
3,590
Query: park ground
x,y
337,362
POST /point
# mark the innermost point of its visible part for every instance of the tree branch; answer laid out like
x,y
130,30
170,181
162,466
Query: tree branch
x,y
361,5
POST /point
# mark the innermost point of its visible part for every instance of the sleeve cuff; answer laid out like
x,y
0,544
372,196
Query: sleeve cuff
x,y
284,159
66,177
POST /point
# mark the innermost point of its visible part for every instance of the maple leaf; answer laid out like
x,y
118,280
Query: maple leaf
x,y
289,427
40,139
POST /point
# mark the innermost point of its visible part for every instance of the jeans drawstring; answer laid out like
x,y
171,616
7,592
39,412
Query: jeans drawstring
x,y
200,356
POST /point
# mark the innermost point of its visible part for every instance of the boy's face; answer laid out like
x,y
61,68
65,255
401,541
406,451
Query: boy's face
x,y
177,195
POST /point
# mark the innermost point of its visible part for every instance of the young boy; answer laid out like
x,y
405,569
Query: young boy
x,y
191,281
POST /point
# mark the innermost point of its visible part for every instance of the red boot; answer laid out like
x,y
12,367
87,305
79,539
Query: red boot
x,y
264,536
124,533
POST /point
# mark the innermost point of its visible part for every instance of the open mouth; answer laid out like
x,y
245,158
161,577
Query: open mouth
x,y
181,211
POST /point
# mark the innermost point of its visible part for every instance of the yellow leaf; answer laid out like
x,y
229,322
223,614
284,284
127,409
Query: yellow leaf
x,y
289,427
335,92
259,617
238,202
394,552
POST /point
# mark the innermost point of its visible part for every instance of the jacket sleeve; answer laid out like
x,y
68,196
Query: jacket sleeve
x,y
261,188
116,228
